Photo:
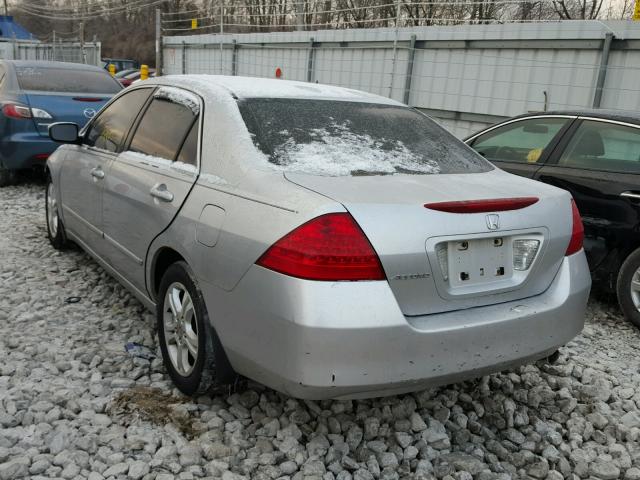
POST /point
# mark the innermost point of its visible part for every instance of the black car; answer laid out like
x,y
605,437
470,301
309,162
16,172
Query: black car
x,y
595,155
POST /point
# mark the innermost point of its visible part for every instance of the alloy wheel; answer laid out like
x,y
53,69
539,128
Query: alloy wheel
x,y
52,210
635,289
180,329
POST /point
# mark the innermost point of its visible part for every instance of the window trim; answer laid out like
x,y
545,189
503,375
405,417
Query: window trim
x,y
90,123
143,110
548,156
562,148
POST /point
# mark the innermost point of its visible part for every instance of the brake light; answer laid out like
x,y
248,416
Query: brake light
x,y
577,231
480,206
87,99
14,110
331,247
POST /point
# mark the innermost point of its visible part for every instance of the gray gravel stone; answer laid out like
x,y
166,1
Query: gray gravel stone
x,y
576,419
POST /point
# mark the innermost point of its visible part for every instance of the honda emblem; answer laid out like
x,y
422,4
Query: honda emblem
x,y
493,221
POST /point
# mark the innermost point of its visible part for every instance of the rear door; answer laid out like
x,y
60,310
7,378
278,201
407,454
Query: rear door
x,y
148,182
600,165
522,145
85,166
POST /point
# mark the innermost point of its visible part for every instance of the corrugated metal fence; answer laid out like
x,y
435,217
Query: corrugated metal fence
x,y
75,52
467,76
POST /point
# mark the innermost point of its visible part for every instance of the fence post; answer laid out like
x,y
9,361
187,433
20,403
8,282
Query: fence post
x,y
83,55
221,37
184,57
602,74
158,42
409,75
234,58
310,60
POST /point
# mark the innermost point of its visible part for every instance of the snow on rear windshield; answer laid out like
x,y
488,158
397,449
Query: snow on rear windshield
x,y
68,80
336,138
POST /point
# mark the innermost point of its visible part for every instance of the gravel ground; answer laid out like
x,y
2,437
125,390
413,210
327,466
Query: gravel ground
x,y
75,404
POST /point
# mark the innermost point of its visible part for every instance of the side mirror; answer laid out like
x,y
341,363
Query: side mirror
x,y
64,132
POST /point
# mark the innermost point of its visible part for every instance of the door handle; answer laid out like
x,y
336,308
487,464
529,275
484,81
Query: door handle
x,y
97,172
631,196
159,191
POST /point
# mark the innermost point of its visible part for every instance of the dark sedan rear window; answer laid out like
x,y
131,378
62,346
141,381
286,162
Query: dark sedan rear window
x,y
45,79
336,138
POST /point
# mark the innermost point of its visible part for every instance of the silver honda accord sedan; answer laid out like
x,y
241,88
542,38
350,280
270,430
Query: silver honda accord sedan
x,y
326,242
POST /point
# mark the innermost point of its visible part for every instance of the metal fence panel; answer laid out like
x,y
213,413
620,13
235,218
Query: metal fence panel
x,y
467,76
89,53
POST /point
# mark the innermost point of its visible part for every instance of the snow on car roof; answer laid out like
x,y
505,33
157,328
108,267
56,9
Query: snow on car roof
x,y
252,87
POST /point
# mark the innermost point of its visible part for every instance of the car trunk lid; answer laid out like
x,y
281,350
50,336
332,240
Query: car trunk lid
x,y
64,107
437,261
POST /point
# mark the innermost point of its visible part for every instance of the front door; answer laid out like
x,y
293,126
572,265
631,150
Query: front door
x,y
85,167
148,182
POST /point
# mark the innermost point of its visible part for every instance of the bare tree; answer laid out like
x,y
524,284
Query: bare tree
x,y
578,9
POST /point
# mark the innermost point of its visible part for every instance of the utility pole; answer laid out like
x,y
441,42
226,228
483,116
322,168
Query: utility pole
x,y
82,52
53,47
6,10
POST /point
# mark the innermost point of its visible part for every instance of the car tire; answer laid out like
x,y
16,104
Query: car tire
x,y
628,288
55,227
196,363
7,177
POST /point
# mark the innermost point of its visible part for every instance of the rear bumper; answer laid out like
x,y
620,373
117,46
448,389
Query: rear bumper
x,y
349,339
21,150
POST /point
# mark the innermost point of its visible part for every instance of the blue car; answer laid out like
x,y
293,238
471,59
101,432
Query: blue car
x,y
35,94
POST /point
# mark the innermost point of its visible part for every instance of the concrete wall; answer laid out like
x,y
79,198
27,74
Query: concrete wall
x,y
467,76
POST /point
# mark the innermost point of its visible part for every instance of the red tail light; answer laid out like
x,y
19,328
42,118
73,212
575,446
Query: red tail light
x,y
14,110
480,206
87,99
331,247
577,232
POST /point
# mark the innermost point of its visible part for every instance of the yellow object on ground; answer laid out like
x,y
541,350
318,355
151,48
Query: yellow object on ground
x,y
112,69
144,72
194,23
636,11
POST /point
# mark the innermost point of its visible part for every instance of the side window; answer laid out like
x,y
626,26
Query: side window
x,y
604,146
109,129
163,129
523,141
189,151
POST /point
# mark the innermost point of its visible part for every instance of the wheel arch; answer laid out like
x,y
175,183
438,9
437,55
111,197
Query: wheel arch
x,y
164,257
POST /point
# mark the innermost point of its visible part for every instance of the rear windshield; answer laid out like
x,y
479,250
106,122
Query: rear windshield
x,y
65,80
335,138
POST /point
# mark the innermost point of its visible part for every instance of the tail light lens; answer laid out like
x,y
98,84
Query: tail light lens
x,y
14,110
577,231
331,247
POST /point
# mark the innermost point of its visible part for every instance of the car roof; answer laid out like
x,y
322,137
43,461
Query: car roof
x,y
252,87
618,115
49,64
